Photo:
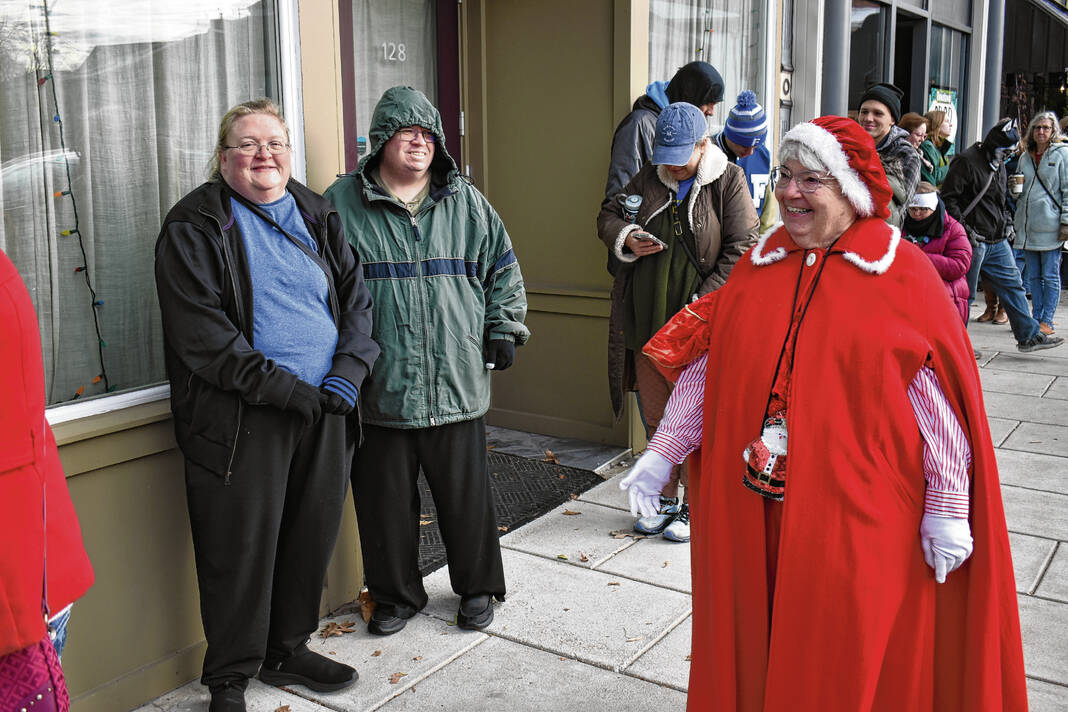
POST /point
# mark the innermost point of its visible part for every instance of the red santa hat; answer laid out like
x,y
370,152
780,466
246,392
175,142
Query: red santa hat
x,y
848,153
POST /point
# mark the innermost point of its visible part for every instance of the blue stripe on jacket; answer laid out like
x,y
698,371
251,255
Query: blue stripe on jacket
x,y
505,260
446,265
431,268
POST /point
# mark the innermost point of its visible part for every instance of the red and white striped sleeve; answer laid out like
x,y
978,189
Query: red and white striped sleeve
x,y
947,455
679,432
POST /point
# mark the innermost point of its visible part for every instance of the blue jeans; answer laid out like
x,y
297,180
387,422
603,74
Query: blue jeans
x,y
57,630
1021,264
998,267
1044,281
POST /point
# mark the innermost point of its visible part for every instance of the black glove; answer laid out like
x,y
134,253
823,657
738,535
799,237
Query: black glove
x,y
334,403
307,401
500,354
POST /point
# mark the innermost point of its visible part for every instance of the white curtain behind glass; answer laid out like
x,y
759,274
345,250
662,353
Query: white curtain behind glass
x,y
141,89
728,34
395,44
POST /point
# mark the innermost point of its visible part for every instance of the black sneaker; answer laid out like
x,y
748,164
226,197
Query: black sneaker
x,y
310,669
476,612
1038,342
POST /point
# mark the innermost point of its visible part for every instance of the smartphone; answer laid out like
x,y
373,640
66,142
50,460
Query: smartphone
x,y
646,237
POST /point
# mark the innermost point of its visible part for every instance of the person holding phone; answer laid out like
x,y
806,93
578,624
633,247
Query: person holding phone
x,y
695,221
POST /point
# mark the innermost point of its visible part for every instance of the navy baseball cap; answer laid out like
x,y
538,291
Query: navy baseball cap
x,y
678,129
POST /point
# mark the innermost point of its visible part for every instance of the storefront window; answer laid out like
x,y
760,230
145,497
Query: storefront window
x,y
949,48
728,34
869,24
391,44
108,115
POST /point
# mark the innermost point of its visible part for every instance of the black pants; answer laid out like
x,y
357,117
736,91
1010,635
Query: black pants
x,y
263,542
385,474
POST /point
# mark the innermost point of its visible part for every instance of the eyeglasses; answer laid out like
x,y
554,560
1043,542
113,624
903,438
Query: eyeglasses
x,y
410,134
1043,128
251,148
808,182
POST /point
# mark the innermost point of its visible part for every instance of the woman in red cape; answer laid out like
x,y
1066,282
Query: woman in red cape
x,y
830,598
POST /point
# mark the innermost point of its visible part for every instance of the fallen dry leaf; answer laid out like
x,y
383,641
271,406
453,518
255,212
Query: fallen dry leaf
x,y
333,629
665,565
367,605
689,657
562,556
634,639
283,708
550,457
376,653
418,657
502,529
613,583
571,512
583,557
563,658
622,533
395,677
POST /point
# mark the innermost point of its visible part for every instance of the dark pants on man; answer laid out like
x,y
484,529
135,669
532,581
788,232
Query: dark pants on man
x,y
385,475
263,541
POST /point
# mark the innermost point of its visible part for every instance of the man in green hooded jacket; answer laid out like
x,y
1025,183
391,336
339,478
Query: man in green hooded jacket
x,y
449,306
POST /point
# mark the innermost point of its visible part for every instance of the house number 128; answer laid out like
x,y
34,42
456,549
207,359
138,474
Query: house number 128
x,y
393,52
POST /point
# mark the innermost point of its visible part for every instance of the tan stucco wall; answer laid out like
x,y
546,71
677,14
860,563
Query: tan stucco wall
x,y
550,80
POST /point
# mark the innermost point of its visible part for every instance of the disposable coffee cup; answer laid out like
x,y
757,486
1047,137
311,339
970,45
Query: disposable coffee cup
x,y
1016,181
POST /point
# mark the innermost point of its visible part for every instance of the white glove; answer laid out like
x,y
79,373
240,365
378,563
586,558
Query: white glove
x,y
946,543
645,482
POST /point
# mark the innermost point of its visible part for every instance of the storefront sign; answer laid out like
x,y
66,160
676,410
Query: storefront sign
x,y
945,100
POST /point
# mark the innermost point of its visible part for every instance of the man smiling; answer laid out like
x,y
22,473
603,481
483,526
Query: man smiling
x,y
448,307
880,109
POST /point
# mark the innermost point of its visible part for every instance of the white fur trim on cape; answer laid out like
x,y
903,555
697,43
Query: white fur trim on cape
x,y
757,255
879,266
882,264
621,239
830,152
712,164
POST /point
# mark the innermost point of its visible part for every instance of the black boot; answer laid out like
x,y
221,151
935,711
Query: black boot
x,y
228,698
312,670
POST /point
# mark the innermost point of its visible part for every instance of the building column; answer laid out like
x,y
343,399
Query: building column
x,y
995,45
834,98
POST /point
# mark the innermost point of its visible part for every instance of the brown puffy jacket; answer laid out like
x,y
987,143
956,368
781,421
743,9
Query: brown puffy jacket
x,y
724,223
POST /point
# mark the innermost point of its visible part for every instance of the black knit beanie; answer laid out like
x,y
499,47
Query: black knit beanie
x,y
887,94
697,83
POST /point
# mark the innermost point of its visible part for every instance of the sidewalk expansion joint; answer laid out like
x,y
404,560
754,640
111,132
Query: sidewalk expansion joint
x,y
648,646
1043,569
409,684
1048,681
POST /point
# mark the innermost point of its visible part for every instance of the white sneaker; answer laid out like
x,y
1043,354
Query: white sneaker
x,y
679,530
669,509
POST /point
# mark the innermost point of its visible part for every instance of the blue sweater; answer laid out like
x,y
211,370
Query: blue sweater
x,y
292,322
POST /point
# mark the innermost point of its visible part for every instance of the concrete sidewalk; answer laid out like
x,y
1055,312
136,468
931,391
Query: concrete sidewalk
x,y
594,622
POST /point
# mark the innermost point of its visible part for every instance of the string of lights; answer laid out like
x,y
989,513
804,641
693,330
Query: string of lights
x,y
46,78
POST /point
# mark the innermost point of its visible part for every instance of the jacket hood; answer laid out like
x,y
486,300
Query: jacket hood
x,y
405,106
896,134
657,91
997,137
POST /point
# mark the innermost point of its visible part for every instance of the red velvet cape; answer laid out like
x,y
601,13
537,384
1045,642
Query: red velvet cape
x,y
30,468
858,622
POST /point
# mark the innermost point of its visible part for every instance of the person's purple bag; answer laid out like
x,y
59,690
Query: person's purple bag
x,y
32,680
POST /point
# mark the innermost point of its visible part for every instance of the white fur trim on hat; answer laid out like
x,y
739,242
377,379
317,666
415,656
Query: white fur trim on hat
x,y
824,144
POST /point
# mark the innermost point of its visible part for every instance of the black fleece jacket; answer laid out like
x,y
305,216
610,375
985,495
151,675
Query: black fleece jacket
x,y
205,298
